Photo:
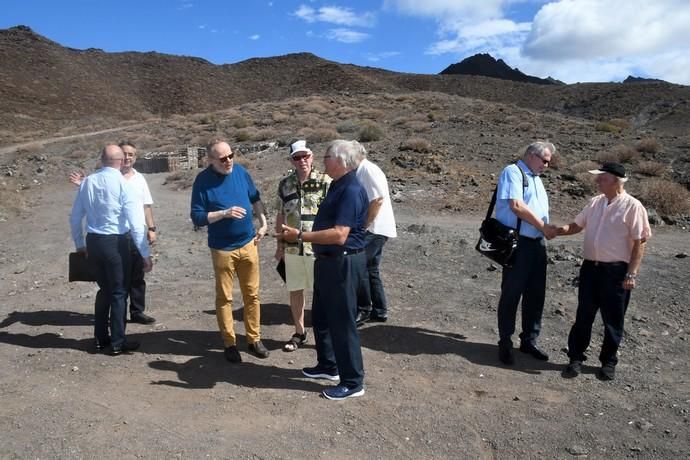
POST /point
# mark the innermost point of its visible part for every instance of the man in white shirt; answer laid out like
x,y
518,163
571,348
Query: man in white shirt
x,y
380,225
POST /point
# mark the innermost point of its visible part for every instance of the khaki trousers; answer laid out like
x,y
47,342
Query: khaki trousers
x,y
243,262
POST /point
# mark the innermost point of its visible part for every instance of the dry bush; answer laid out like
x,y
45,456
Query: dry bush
x,y
647,145
397,121
525,126
626,154
316,107
620,123
557,162
245,134
279,117
651,168
667,197
584,166
606,127
347,126
418,126
607,156
369,132
416,144
373,114
322,135
239,121
265,134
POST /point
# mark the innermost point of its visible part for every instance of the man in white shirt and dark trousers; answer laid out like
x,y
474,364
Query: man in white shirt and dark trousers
x,y
106,200
380,225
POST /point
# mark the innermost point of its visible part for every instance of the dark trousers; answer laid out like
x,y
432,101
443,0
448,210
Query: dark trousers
x,y
137,284
333,311
371,298
526,279
110,255
601,288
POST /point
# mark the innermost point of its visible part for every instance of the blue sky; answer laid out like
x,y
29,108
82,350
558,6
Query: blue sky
x,y
572,40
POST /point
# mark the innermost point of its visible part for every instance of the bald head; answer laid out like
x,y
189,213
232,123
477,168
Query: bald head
x,y
112,156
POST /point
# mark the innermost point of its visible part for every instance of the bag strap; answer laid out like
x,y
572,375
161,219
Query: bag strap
x,y
525,184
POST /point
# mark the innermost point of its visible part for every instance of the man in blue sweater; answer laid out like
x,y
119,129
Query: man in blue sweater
x,y
224,198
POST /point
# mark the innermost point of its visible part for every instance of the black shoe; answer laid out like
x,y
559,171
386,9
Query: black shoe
x,y
317,372
534,350
102,345
607,372
124,349
572,370
142,318
505,355
362,317
232,354
378,318
259,350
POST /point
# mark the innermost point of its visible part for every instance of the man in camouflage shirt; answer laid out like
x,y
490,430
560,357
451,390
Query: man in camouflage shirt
x,y
299,196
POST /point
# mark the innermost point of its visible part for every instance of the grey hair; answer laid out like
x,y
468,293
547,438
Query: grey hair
x,y
346,152
538,148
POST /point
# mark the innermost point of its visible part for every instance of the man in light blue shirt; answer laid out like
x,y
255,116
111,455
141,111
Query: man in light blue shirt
x,y
111,211
521,195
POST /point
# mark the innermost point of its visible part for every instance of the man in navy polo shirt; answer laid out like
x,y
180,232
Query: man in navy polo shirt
x,y
337,239
223,197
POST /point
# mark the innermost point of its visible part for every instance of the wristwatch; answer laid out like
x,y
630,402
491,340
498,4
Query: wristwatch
x,y
630,276
152,229
299,236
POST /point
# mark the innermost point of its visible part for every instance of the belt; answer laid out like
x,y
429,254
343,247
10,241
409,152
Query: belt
x,y
346,252
596,263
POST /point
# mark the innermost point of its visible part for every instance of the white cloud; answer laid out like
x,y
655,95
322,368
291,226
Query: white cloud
x,y
254,37
450,10
584,29
376,57
335,15
202,26
346,35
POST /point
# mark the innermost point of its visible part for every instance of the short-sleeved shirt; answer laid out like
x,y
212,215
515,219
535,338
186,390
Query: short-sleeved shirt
x,y
374,182
346,204
213,191
612,228
299,203
140,188
510,187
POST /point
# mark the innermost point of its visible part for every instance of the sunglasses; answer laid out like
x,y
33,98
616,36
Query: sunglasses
x,y
226,158
300,158
544,162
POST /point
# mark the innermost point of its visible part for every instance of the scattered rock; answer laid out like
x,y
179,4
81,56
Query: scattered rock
x,y
577,451
681,255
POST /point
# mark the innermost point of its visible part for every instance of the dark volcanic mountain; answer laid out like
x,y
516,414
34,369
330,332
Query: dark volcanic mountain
x,y
485,65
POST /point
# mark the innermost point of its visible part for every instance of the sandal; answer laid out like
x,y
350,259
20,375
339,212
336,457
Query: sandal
x,y
296,341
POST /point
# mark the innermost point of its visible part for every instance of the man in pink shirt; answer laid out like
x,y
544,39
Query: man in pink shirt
x,y
616,230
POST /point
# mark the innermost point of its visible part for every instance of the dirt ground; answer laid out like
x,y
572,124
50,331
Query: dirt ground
x,y
434,386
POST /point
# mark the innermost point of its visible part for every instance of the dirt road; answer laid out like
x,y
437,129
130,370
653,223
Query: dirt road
x,y
434,388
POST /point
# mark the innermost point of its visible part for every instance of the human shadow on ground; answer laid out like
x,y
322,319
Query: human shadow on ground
x,y
212,368
176,342
419,341
48,318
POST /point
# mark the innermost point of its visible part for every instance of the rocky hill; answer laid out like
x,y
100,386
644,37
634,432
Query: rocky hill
x,y
45,87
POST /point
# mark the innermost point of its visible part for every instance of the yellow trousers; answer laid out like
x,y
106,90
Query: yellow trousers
x,y
243,262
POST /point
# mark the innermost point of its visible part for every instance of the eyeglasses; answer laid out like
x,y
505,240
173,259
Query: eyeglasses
x,y
226,158
300,158
544,162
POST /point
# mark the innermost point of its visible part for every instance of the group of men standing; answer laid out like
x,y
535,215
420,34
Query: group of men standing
x,y
616,229
330,229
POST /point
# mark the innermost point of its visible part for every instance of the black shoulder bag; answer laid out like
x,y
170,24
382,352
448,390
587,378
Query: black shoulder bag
x,y
497,241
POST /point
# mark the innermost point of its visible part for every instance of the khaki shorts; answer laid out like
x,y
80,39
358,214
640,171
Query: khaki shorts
x,y
299,272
